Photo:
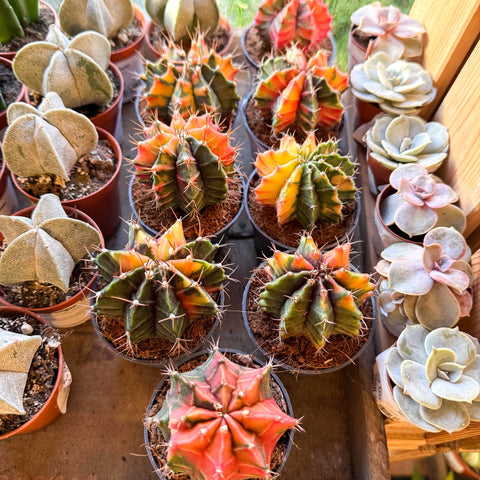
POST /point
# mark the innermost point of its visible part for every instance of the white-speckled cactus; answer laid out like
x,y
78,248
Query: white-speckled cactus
x,y
49,140
437,378
75,69
46,247
107,17
16,353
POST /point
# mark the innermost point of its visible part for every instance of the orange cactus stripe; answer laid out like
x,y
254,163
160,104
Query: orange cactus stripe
x,y
170,241
337,258
289,144
321,19
334,77
293,263
189,267
287,199
287,106
197,438
129,260
283,28
309,145
351,280
270,187
269,161
329,115
226,66
162,89
269,90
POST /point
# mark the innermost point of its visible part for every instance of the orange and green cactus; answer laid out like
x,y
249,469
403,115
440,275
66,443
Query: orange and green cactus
x,y
221,421
198,81
186,163
300,95
315,294
307,182
285,22
159,286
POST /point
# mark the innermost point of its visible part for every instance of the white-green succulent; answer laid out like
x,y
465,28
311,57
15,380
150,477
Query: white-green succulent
x,y
398,87
408,139
437,377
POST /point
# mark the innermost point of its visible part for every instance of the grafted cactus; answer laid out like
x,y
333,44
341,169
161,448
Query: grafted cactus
x,y
437,377
221,421
75,69
186,163
398,87
315,294
49,140
389,30
307,182
408,139
287,22
420,203
299,95
158,287
107,17
46,247
14,16
181,17
430,285
198,81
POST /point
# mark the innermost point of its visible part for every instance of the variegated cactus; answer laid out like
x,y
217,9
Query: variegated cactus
x,y
437,378
186,163
307,183
221,421
300,95
75,69
49,140
430,285
315,294
46,247
158,287
107,17
288,22
15,15
199,81
182,17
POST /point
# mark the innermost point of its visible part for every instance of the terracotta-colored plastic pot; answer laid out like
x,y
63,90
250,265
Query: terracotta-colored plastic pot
x,y
380,172
365,111
102,206
21,93
75,310
8,198
11,55
129,60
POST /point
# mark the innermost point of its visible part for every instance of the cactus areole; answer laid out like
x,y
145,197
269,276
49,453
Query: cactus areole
x,y
221,421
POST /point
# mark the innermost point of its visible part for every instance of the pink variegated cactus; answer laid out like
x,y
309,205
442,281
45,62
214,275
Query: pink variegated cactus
x,y
391,31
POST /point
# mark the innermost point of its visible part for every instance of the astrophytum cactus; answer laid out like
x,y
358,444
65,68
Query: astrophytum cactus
x,y
15,15
296,94
389,31
420,203
221,421
398,87
75,69
315,294
159,286
49,140
16,353
186,163
46,247
107,17
437,378
182,17
430,285
287,22
199,81
408,139
307,182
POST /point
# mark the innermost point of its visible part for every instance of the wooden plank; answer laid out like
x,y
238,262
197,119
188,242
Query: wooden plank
x,y
452,27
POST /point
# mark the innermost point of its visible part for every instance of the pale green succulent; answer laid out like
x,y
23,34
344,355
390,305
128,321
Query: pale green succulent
x,y
437,377
75,69
398,87
49,140
46,247
408,139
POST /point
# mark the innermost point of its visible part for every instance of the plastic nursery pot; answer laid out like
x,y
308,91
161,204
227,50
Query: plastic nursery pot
x,y
381,173
165,359
43,6
129,59
75,310
102,206
287,436
153,52
21,93
51,409
8,198
215,237
265,242
365,111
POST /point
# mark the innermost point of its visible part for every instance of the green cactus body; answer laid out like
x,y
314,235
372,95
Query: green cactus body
x,y
14,16
314,295
158,293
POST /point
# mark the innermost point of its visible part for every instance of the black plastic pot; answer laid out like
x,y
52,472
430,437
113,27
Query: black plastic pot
x,y
288,368
257,362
